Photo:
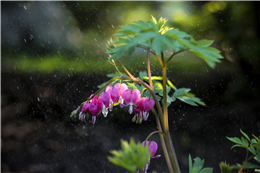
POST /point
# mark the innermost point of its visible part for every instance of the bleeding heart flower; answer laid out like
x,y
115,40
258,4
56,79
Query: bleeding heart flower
x,y
121,88
148,105
105,98
95,107
114,92
85,107
152,147
131,98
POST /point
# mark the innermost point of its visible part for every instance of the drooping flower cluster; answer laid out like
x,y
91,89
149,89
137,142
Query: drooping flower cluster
x,y
113,95
152,148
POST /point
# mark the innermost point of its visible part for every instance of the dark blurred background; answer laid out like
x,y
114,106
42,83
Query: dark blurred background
x,y
53,57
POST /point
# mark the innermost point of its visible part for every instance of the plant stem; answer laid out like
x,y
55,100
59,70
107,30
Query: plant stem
x,y
160,61
149,70
116,67
242,167
169,144
170,153
175,53
166,155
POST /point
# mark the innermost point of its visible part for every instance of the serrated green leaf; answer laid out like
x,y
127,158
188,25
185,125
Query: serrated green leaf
x,y
239,145
198,164
144,37
180,91
131,156
176,34
252,149
256,138
130,50
202,43
142,24
123,40
187,100
206,170
157,44
245,142
134,29
235,140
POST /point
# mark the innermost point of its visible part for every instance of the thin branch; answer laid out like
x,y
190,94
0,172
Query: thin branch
x,y
129,74
242,167
158,58
175,53
116,67
153,134
149,70
166,155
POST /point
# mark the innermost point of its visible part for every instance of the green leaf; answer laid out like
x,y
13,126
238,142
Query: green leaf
x,y
169,100
171,85
197,166
239,145
206,170
245,142
256,138
158,44
252,149
142,74
202,43
235,140
130,50
144,37
131,156
180,91
176,34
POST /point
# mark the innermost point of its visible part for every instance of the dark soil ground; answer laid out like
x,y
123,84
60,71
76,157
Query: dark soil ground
x,y
37,134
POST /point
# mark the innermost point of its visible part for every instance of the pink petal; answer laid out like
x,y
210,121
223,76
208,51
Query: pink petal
x,y
148,104
104,98
141,104
152,147
108,88
85,107
122,89
136,97
114,94
95,107
127,96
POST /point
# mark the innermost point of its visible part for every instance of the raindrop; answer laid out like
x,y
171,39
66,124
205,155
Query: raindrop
x,y
18,87
69,75
24,7
38,98
25,40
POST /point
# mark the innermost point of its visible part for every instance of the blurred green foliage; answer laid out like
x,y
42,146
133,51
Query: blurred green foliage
x,y
67,36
